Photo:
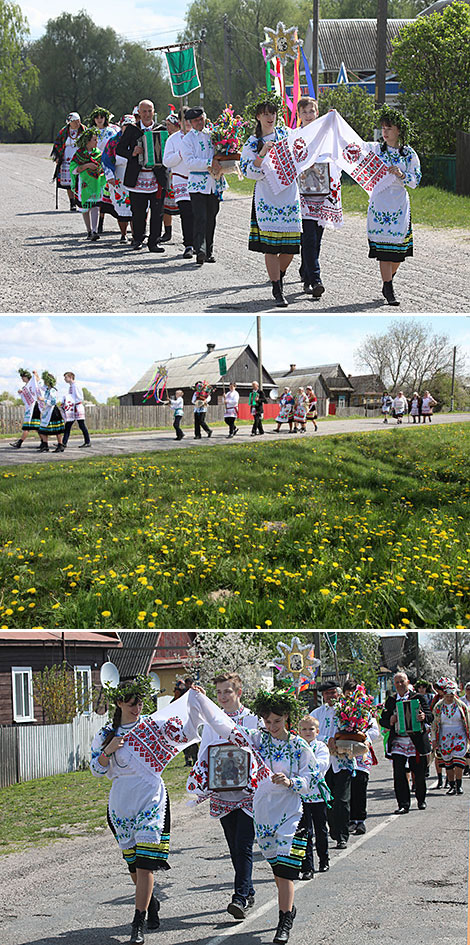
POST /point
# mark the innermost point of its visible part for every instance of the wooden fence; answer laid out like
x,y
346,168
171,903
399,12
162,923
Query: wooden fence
x,y
37,751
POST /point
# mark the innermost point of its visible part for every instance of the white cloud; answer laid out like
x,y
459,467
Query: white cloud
x,y
139,22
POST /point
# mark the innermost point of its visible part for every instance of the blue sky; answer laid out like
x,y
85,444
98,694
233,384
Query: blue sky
x,y
152,23
110,353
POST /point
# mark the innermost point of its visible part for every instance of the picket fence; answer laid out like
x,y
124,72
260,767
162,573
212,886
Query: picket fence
x,y
33,751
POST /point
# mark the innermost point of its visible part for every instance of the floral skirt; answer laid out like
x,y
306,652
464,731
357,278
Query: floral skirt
x,y
392,252
270,241
56,423
148,856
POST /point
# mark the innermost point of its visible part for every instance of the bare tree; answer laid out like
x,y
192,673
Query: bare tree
x,y
407,355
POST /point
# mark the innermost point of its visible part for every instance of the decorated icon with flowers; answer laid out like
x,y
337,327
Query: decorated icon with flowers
x,y
298,663
281,43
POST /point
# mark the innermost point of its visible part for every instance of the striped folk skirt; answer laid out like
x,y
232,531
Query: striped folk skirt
x,y
288,865
56,423
270,241
392,252
35,420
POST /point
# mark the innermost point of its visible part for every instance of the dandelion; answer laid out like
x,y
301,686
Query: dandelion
x,y
104,613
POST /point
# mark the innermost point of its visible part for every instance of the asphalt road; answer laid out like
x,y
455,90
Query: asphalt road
x,y
148,441
403,883
49,267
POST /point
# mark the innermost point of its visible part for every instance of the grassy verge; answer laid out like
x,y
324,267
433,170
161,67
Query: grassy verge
x,y
64,806
429,205
356,530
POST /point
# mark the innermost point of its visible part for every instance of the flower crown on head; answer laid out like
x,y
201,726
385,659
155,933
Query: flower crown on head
x,y
395,117
279,701
141,687
257,99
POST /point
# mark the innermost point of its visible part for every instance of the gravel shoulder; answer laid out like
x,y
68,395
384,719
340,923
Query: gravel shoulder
x,y
65,274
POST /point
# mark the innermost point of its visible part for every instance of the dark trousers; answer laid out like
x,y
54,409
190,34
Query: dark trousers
x,y
338,814
359,796
205,209
177,425
400,781
200,423
314,821
187,222
257,423
230,421
240,834
310,251
139,204
68,427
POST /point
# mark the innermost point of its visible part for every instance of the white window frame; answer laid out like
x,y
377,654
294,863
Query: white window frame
x,y
87,670
23,671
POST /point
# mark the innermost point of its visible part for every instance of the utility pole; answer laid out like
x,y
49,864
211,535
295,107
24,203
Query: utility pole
x,y
260,352
457,657
226,60
381,52
203,35
453,379
314,65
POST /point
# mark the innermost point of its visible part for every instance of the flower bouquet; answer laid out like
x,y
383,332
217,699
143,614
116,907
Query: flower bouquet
x,y
352,713
227,133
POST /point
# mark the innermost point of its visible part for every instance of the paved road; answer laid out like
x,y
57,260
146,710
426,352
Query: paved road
x,y
149,441
48,266
403,882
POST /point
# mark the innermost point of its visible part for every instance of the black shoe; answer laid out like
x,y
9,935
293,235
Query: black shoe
x,y
422,806
73,208
459,789
452,788
89,234
307,288
136,244
200,259
188,253
166,236
209,434
278,294
153,919
360,828
59,448
307,875
156,249
388,293
235,430
94,237
324,866
17,444
84,446
401,810
123,238
317,289
250,902
44,448
237,909
341,845
137,929
284,926
211,258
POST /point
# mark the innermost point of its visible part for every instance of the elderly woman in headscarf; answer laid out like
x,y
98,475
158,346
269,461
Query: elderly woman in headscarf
x,y
451,733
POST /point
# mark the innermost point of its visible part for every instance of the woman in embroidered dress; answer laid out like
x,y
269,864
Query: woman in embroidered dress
x,y
300,411
52,421
114,168
276,221
277,803
100,120
427,406
32,414
87,169
388,217
63,150
312,408
451,731
231,401
286,410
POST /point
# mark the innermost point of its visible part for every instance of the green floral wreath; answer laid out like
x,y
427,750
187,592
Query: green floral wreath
x,y
48,379
99,111
24,373
262,97
85,136
141,686
395,117
280,702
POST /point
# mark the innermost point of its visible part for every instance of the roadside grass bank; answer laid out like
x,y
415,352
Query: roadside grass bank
x,y
35,813
355,530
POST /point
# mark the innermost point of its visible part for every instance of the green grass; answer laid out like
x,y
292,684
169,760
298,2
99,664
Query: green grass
x,y
429,205
355,530
38,812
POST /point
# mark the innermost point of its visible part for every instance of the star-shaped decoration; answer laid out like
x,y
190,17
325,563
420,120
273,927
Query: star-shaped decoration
x,y
298,660
281,43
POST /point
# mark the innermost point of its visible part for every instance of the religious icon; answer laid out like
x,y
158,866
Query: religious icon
x,y
229,767
315,181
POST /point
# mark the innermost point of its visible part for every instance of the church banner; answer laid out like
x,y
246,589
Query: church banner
x,y
182,66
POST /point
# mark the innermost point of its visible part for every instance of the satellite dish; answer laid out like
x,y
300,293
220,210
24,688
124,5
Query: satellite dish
x,y
274,393
155,681
109,674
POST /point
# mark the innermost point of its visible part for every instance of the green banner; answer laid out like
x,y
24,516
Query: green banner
x,y
182,67
332,639
222,366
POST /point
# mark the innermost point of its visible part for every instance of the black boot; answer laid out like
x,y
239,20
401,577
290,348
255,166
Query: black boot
x,y
17,444
100,225
388,293
137,929
452,788
153,919
281,302
44,448
166,236
281,277
285,923
459,788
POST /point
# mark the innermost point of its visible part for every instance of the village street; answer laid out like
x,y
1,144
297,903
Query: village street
x,y
122,444
404,881
49,267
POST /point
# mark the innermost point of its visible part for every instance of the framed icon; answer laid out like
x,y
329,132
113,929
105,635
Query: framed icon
x,y
315,181
229,767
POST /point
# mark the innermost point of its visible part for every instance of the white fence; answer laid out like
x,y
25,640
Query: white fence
x,y
38,751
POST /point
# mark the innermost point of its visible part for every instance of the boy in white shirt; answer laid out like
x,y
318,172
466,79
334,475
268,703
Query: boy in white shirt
x,y
314,816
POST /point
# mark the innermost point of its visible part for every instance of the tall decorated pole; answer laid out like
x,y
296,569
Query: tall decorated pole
x,y
278,47
299,664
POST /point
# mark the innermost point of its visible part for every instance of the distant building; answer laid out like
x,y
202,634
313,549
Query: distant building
x,y
367,390
329,382
352,42
185,371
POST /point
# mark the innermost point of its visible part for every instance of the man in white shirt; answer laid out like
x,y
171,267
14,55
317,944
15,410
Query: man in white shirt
x,y
147,185
205,183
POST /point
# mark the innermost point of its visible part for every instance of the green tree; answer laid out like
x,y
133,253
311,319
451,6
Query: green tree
x,y
432,60
17,74
356,107
87,395
112,402
57,694
441,385
6,396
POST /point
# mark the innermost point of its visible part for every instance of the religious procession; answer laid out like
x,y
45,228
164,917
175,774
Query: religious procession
x,y
275,771
145,172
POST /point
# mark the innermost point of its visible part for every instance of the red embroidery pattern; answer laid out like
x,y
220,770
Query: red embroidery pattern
x,y
352,153
157,745
300,149
282,161
369,170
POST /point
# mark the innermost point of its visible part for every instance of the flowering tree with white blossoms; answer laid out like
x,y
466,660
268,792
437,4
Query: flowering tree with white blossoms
x,y
231,652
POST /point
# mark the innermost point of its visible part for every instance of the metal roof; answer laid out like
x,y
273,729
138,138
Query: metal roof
x,y
40,637
392,649
135,656
185,371
332,374
350,41
305,380
367,383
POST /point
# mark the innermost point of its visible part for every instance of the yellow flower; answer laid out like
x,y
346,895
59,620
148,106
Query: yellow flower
x,y
104,613
31,590
221,610
324,591
403,610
